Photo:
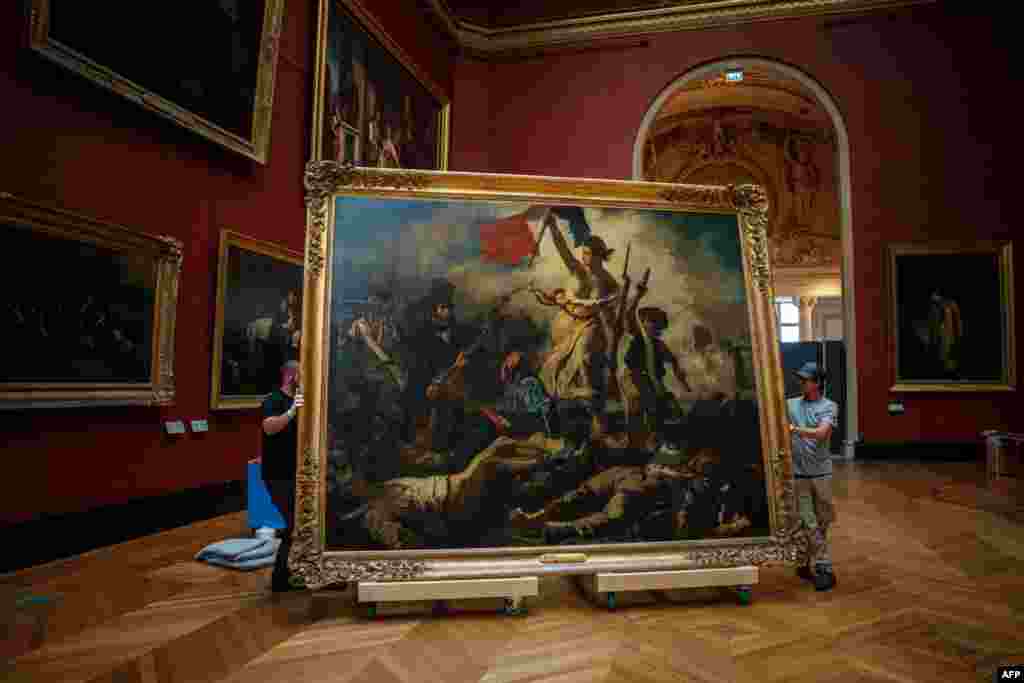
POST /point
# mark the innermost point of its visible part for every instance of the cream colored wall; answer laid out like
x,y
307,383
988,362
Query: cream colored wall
x,y
828,318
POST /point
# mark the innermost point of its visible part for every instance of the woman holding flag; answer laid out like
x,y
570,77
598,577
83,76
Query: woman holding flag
x,y
576,369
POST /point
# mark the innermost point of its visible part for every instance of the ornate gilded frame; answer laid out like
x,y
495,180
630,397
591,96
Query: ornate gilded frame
x,y
255,147
365,20
1003,252
229,239
319,567
166,256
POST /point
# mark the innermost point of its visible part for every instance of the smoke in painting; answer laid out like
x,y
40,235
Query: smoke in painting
x,y
524,375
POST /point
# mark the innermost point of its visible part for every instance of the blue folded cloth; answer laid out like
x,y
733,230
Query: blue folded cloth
x,y
248,565
240,553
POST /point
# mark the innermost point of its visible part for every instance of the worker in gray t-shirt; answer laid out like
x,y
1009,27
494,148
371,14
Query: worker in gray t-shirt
x,y
812,418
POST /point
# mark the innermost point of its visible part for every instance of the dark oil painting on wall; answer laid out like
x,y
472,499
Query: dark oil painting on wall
x,y
208,66
531,374
258,319
89,310
952,317
372,107
99,331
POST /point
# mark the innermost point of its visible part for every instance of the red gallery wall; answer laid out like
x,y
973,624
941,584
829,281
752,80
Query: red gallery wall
x,y
919,89
65,140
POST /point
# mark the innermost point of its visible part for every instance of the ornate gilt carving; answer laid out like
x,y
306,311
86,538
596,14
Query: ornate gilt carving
x,y
752,204
805,249
324,178
739,555
700,195
169,270
305,560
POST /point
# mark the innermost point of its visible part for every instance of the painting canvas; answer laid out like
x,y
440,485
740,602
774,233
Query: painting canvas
x,y
100,341
952,333
517,376
259,317
373,108
221,86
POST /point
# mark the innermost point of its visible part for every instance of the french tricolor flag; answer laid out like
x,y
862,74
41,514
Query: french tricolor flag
x,y
511,241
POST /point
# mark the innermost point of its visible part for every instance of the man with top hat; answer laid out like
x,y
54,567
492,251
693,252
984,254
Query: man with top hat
x,y
436,386
812,418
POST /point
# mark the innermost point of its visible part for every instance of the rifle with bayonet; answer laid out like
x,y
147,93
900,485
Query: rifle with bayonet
x,y
620,314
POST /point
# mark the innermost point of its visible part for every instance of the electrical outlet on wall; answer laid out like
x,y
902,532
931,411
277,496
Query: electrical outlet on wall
x,y
895,407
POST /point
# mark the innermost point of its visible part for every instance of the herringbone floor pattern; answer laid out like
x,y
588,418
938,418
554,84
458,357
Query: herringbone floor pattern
x,y
928,591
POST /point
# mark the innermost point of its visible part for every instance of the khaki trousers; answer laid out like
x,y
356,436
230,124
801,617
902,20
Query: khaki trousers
x,y
814,501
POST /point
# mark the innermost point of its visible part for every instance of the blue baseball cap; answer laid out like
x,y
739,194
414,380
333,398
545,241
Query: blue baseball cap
x,y
810,371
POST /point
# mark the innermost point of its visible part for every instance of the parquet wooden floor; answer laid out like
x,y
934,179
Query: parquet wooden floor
x,y
928,591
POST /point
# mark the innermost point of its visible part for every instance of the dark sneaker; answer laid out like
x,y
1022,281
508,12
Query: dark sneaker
x,y
824,580
284,587
805,573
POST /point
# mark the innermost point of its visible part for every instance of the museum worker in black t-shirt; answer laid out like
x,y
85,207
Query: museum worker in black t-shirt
x,y
280,447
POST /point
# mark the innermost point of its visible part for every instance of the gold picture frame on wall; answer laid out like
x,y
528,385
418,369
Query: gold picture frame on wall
x,y
393,485
372,105
220,86
257,323
951,317
100,335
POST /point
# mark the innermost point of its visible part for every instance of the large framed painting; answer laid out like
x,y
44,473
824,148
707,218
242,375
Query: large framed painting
x,y
951,317
508,374
258,320
100,334
207,66
372,105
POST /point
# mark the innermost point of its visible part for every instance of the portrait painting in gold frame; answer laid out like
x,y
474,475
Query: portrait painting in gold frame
x,y
500,369
951,317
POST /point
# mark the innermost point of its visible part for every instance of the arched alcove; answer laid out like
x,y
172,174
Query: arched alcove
x,y
711,75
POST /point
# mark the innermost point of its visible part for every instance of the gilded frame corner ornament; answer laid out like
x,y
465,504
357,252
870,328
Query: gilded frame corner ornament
x,y
752,203
256,146
319,566
165,256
